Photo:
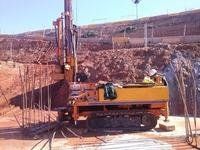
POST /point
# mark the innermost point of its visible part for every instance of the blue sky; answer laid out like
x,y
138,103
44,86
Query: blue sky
x,y
18,16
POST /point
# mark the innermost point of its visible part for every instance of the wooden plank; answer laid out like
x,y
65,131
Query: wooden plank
x,y
167,126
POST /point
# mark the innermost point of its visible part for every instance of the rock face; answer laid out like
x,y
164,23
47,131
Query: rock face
x,y
130,64
122,65
26,50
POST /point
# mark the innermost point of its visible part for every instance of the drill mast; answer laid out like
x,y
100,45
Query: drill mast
x,y
66,35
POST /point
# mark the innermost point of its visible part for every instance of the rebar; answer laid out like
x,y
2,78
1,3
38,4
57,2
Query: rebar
x,y
191,137
22,91
35,111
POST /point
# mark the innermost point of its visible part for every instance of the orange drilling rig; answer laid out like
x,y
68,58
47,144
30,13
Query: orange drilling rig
x,y
104,105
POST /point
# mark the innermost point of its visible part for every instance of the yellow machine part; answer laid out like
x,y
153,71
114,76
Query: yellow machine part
x,y
137,94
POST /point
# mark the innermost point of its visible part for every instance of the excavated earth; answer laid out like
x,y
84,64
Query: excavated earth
x,y
26,50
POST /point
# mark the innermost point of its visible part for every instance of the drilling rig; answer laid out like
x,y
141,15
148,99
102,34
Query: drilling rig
x,y
104,105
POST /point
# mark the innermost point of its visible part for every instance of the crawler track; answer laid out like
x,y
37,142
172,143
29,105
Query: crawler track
x,y
122,121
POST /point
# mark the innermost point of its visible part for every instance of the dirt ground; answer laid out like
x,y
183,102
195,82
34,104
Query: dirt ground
x,y
11,138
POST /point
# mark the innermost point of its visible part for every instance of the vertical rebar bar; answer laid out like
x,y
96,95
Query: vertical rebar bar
x,y
28,93
195,100
22,91
32,94
34,121
48,96
40,104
